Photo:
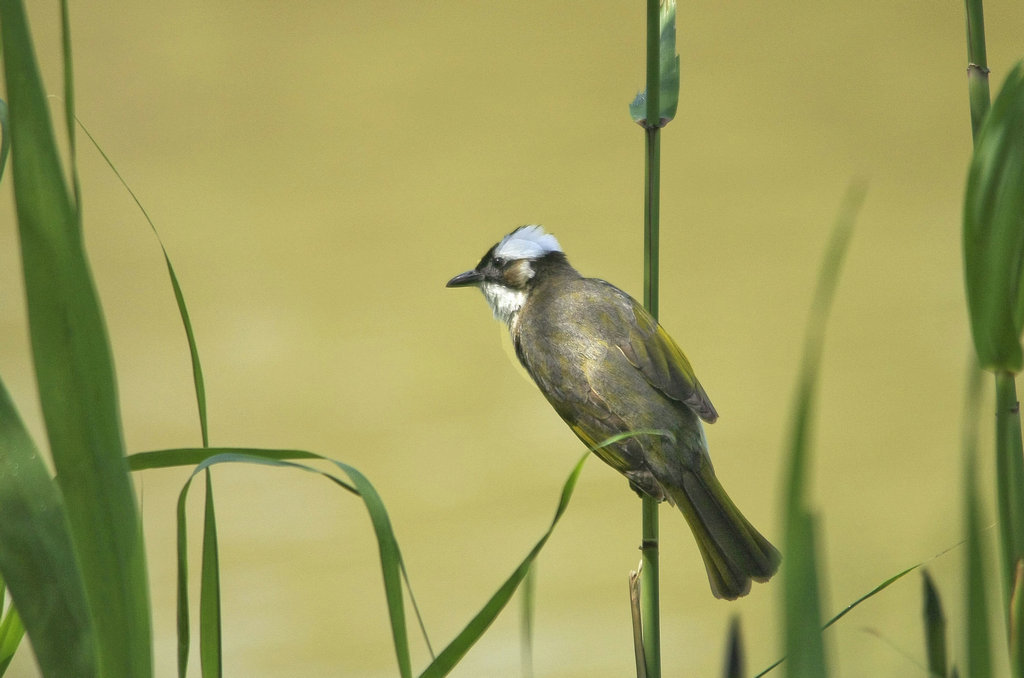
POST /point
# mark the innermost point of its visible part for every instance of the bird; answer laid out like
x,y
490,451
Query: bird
x,y
608,368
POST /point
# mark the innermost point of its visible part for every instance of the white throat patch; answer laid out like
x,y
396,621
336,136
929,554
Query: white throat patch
x,y
505,302
527,242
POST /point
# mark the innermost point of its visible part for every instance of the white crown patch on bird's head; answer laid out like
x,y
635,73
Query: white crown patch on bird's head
x,y
527,242
505,272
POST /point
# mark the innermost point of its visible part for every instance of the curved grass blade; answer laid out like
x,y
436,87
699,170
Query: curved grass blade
x,y
884,585
390,555
190,456
210,647
842,613
37,558
197,368
390,559
179,297
74,369
993,233
466,638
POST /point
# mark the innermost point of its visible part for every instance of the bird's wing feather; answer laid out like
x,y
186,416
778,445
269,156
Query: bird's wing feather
x,y
650,349
594,422
567,387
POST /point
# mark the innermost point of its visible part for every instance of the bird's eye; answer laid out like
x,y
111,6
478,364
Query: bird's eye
x,y
499,262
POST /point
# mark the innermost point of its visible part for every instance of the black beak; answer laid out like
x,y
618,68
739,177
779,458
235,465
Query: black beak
x,y
473,277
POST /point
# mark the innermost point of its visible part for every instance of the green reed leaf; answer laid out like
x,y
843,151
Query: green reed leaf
x,y
74,366
37,558
993,230
668,68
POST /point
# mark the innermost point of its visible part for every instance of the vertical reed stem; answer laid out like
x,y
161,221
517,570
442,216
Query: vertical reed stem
x,y
649,580
977,65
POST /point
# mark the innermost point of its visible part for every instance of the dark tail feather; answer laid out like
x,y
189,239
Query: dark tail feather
x,y
734,552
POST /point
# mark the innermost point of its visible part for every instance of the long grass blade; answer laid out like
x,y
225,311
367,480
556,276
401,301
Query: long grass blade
x,y
74,368
209,592
466,638
390,559
848,608
191,456
884,585
416,610
179,297
802,607
37,557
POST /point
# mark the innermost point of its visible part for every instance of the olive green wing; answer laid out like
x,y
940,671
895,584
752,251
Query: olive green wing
x,y
594,422
567,387
650,349
595,425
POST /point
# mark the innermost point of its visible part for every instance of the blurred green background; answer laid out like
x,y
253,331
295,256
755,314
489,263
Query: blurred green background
x,y
318,170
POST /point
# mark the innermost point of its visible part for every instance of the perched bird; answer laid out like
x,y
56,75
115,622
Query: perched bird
x,y
607,367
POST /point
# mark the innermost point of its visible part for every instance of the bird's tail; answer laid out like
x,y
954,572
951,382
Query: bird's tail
x,y
734,552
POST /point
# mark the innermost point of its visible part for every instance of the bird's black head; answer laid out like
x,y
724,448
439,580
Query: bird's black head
x,y
505,273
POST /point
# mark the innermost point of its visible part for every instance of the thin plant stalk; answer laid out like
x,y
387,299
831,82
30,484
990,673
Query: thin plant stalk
x,y
650,613
977,65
